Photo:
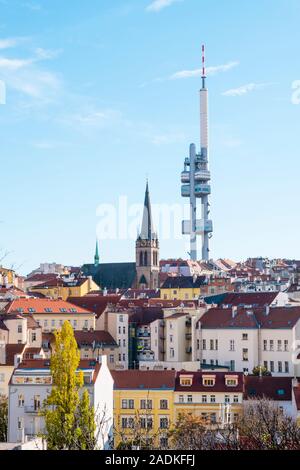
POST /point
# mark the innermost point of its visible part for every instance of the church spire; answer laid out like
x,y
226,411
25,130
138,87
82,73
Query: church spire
x,y
147,232
96,258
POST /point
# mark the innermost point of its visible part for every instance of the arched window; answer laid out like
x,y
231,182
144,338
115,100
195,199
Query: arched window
x,y
146,259
141,259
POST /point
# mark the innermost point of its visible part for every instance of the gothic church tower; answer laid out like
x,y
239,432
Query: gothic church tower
x,y
147,250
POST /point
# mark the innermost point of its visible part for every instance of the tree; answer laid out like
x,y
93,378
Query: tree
x,y
261,371
68,418
3,418
265,426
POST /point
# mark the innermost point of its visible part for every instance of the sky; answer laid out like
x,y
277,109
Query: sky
x,y
103,94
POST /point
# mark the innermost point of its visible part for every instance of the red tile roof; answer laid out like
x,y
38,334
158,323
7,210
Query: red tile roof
x,y
144,380
11,350
273,388
97,337
220,383
278,317
41,305
96,303
41,277
256,299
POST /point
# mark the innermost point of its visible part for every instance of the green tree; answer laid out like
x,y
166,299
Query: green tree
x,y
3,419
261,371
68,419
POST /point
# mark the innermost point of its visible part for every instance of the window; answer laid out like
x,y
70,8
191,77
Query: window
x,y
186,382
146,404
198,344
213,418
245,336
245,355
172,354
120,357
33,337
279,366
286,345
272,366
119,330
204,398
163,404
21,401
231,382
232,366
20,329
235,417
279,345
124,330
266,365
227,399
231,345
271,345
216,345
213,398
211,344
124,343
171,338
235,399
265,344
111,358
163,423
286,367
124,404
204,344
190,398
146,423
124,357
212,362
207,382
119,342
121,318
164,442
181,399
20,423
86,324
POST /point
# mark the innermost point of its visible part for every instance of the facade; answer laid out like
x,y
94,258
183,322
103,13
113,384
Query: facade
x,y
194,287
144,399
30,385
51,314
216,397
244,338
93,344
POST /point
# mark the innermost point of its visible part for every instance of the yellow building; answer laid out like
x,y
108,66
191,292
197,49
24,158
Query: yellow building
x,y
216,397
59,288
7,277
143,400
191,288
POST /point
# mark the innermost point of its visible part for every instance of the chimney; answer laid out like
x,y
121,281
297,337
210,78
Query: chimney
x,y
267,312
234,311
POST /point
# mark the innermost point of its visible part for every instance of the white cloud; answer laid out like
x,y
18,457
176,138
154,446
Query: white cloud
x,y
14,64
46,54
244,89
158,5
213,70
11,42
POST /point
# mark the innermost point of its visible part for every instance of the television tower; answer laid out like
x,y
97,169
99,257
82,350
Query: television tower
x,y
195,181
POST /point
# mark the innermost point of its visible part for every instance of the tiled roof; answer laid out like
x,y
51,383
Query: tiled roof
x,y
59,282
256,299
220,383
41,277
144,380
145,315
99,337
278,317
274,388
43,306
95,303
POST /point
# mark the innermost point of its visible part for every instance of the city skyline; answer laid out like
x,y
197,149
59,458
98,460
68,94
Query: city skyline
x,y
81,126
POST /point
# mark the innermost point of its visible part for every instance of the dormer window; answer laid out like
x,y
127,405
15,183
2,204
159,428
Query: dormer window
x,y
186,381
208,381
231,381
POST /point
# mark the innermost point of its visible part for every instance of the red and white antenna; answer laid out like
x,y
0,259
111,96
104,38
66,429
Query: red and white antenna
x,y
203,62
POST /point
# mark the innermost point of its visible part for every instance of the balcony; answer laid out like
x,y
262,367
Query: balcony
x,y
143,334
32,410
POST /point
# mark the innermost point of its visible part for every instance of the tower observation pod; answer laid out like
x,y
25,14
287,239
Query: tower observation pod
x,y
195,181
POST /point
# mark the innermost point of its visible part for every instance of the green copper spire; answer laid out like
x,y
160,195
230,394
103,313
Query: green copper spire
x,y
96,259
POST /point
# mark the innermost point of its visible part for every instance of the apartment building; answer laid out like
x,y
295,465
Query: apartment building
x,y
51,314
243,338
93,344
62,288
144,400
216,397
30,385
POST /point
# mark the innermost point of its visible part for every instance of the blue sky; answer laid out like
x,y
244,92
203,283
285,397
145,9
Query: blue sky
x,y
102,93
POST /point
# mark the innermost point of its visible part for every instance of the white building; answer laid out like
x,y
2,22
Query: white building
x,y
30,385
244,338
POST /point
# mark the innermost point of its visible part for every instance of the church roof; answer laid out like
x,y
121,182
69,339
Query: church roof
x,y
112,275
